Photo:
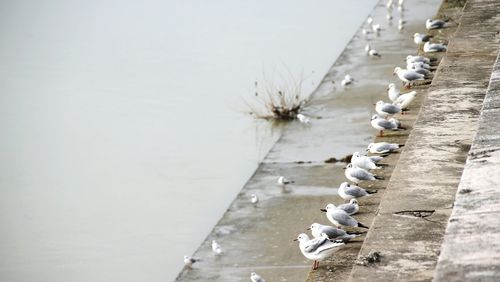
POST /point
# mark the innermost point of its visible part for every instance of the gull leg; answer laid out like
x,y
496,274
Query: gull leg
x,y
381,133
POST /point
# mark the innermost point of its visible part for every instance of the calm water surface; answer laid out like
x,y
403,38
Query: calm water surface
x,y
123,138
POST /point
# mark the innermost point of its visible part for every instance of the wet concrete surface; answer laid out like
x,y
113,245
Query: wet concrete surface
x,y
429,169
259,238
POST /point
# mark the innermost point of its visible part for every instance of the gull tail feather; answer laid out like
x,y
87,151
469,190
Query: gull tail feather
x,y
362,225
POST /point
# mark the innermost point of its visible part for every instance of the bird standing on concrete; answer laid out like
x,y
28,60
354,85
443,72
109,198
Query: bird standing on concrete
x,y
408,76
383,147
340,218
386,109
332,232
348,80
420,38
254,199
349,192
350,208
363,162
382,124
189,261
216,248
435,24
434,47
357,174
256,277
317,249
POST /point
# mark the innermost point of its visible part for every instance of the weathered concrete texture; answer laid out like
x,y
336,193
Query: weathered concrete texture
x,y
471,247
410,225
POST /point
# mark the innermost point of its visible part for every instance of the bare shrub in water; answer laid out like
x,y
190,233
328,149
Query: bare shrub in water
x,y
282,102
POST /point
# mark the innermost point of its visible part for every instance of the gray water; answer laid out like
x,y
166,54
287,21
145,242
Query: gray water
x,y
124,137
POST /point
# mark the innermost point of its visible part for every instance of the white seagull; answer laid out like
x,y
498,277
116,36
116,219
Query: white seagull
x,y
420,38
283,181
434,47
317,249
351,208
189,261
332,232
254,199
408,76
348,192
386,109
357,174
256,277
435,24
363,162
347,80
340,218
371,52
404,100
382,124
383,147
417,58
216,248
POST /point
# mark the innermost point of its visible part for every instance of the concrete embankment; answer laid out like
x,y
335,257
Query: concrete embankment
x,y
409,227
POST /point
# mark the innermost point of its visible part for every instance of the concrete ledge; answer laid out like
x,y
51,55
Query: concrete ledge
x,y
429,169
471,248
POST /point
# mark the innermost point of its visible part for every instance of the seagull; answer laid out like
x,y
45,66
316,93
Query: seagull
x,y
332,232
283,181
420,38
388,17
365,31
386,109
392,92
348,192
376,28
254,199
347,80
317,249
256,277
435,24
340,218
363,162
404,100
418,65
369,20
401,24
303,119
357,174
189,261
412,59
383,147
371,52
389,4
434,47
408,76
427,73
376,159
351,208
216,248
382,124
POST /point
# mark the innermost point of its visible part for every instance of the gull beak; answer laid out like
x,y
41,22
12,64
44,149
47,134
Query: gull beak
x,y
367,149
344,168
374,104
308,228
295,239
323,210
